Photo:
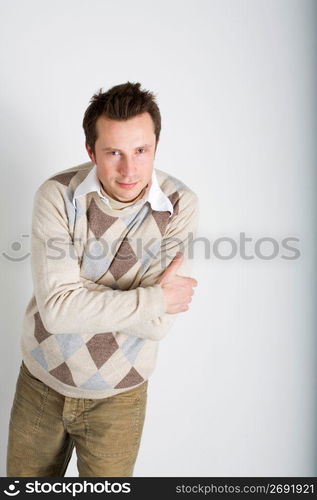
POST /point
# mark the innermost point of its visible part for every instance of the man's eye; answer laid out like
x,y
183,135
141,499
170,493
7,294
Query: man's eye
x,y
113,153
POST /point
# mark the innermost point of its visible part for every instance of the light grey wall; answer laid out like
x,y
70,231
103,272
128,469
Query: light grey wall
x,y
234,390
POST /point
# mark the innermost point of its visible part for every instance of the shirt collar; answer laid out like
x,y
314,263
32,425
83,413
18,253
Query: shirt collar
x,y
153,193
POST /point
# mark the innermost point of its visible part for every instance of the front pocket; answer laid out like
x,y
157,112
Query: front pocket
x,y
29,403
114,425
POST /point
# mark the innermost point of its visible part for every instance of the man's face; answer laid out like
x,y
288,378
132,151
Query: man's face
x,y
124,154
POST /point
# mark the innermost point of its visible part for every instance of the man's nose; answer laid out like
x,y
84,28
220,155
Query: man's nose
x,y
127,167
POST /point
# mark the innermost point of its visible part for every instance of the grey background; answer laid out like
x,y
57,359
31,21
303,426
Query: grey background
x,y
234,390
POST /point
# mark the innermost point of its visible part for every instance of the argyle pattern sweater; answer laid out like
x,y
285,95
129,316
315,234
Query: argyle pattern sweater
x,y
93,324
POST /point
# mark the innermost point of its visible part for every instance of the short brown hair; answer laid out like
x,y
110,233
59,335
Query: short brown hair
x,y
120,102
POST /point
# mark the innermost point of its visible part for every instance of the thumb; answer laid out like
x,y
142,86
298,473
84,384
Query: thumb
x,y
172,268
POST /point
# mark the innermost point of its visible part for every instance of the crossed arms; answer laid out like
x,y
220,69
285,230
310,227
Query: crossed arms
x,y
69,303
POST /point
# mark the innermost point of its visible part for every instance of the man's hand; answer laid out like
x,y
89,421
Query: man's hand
x,y
178,290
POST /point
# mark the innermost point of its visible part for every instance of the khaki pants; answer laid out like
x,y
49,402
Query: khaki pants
x,y
45,426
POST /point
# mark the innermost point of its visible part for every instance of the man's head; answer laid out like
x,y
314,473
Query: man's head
x,y
122,128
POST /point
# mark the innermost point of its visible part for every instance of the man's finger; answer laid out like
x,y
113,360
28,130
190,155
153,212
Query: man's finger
x,y
173,265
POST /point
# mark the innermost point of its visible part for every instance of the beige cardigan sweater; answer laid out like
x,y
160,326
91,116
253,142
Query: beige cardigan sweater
x,y
92,326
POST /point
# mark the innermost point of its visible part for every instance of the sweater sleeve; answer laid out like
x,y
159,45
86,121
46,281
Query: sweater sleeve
x,y
65,304
178,237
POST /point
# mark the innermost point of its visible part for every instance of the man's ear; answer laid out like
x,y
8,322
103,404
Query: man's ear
x,y
156,144
90,152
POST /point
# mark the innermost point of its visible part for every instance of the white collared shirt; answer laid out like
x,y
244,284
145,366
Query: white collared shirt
x,y
153,193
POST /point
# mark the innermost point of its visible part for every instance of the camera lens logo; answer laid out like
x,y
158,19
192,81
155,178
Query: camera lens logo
x,y
16,246
13,492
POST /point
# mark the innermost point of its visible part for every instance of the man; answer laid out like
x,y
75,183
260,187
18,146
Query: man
x,y
110,267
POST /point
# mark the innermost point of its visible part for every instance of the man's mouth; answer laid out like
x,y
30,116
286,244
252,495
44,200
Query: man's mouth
x,y
127,185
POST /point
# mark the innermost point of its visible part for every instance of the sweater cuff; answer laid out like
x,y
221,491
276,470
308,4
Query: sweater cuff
x,y
157,300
